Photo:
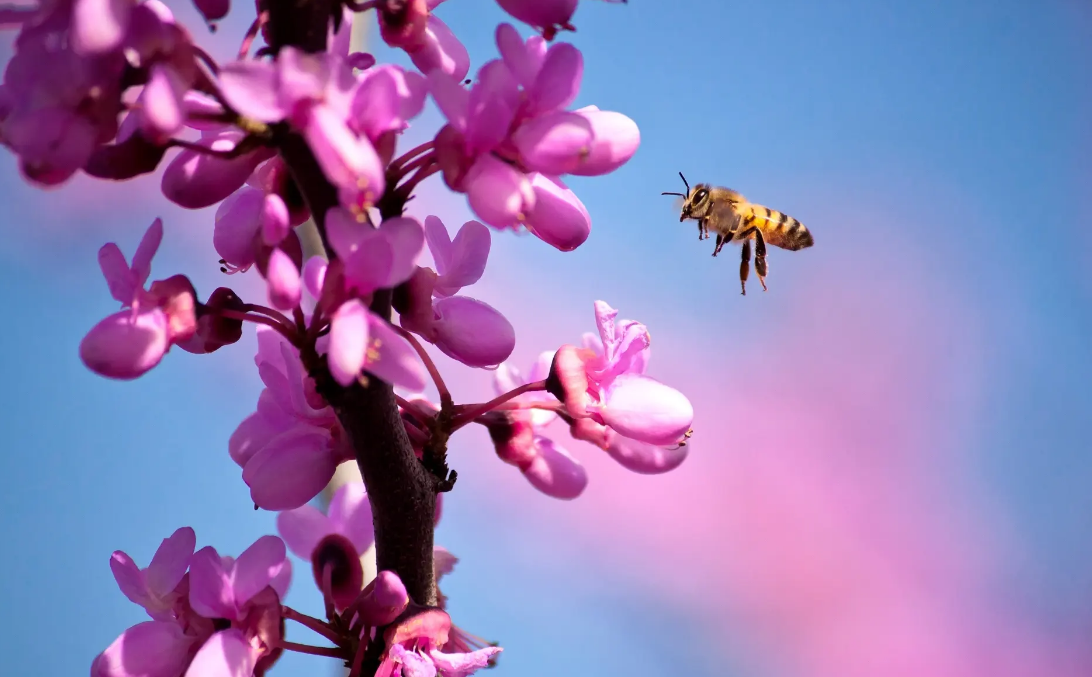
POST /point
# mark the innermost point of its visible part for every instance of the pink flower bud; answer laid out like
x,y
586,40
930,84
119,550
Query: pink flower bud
x,y
195,180
540,13
642,457
125,345
472,332
348,341
499,194
554,472
616,140
558,218
213,10
383,600
440,50
645,409
513,438
275,220
161,106
237,221
283,279
554,143
404,27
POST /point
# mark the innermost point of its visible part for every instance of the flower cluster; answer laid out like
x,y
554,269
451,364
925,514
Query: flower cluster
x,y
287,133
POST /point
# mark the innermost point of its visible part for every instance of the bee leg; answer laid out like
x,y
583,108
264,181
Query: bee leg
x,y
701,230
745,267
720,243
760,258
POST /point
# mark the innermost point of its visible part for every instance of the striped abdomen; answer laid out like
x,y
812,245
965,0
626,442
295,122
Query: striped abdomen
x,y
779,229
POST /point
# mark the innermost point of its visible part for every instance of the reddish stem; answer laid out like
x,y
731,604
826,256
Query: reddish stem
x,y
287,330
252,33
398,162
311,623
331,651
413,165
422,174
469,412
445,394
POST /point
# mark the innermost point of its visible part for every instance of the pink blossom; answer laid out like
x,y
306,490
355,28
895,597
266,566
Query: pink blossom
x,y
127,344
288,449
440,50
314,92
382,600
472,332
222,587
459,262
386,99
154,586
558,218
413,643
623,347
374,258
362,341
148,649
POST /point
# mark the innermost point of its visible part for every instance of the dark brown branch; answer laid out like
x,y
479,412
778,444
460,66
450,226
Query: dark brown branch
x,y
401,490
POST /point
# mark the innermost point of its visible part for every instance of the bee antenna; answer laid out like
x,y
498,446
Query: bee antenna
x,y
685,183
679,194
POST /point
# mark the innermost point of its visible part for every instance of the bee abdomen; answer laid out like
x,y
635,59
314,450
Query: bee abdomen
x,y
787,232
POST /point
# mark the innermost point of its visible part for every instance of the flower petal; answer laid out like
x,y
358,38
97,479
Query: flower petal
x,y
225,654
391,358
251,88
645,409
441,51
124,346
283,279
616,139
644,458
558,80
517,57
256,567
149,649
558,218
463,664
438,240
473,332
499,194
554,143
129,578
554,472
116,271
211,594
469,253
149,245
351,514
99,26
303,528
170,561
348,341
290,470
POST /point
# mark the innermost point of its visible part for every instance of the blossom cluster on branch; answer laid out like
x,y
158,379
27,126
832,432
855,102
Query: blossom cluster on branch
x,y
303,128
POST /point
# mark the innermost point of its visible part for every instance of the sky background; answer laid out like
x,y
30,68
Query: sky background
x,y
891,467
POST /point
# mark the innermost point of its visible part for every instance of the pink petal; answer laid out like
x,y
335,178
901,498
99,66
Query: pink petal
x,y
413,664
162,113
196,180
506,378
559,218
211,594
469,254
341,40
345,232
443,562
473,332
291,470
463,664
517,57
644,458
616,140
351,514
441,51
391,358
282,580
149,245
284,281
256,567
347,160
149,649
275,220
251,88
98,26
386,98
225,654
252,434
348,341
647,410
499,194
237,222
554,143
314,273
303,528
383,599
554,472
198,105
170,561
124,347
122,284
558,80
439,243
450,96
129,578
540,13
302,76
491,108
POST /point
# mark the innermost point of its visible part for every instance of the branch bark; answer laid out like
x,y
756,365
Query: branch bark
x,y
402,492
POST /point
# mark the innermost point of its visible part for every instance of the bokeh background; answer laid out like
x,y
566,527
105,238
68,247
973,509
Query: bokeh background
x,y
891,468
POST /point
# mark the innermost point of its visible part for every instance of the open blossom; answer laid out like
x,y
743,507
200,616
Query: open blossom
x,y
128,343
153,587
336,540
413,647
289,448
463,328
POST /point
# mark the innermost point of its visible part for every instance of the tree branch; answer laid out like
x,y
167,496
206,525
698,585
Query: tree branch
x,y
401,491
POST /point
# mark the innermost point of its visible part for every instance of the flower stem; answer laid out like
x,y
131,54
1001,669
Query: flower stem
x,y
398,162
331,651
433,372
252,33
287,330
311,623
423,173
468,412
415,164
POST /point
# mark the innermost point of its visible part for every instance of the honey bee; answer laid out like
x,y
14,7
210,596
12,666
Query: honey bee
x,y
735,219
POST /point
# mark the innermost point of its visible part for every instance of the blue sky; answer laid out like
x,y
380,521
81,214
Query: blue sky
x,y
954,135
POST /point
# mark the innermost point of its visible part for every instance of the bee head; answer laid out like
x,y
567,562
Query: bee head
x,y
691,199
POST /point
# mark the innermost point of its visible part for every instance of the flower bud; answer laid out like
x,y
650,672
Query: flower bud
x,y
554,472
645,409
558,218
472,332
337,555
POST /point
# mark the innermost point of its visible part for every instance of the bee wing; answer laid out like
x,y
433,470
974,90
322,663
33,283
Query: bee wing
x,y
724,217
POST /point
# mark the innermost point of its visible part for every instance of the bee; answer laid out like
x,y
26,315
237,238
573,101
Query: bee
x,y
735,219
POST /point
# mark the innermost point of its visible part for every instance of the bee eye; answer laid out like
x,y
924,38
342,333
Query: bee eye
x,y
699,195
